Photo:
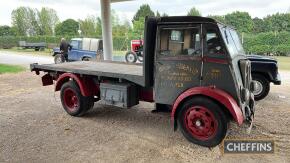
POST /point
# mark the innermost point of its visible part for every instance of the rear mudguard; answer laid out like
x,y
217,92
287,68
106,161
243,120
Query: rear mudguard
x,y
214,93
86,84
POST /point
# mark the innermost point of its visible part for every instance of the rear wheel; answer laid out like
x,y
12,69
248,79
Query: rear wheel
x,y
263,86
140,58
72,100
202,122
131,57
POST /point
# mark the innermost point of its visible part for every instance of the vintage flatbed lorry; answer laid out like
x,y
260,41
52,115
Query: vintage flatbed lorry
x,y
195,65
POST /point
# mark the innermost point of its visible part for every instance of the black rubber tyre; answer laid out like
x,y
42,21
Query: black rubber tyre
x,y
87,59
140,58
131,57
58,58
203,122
72,100
262,82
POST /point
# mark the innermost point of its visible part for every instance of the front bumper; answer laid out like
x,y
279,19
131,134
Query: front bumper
x,y
277,81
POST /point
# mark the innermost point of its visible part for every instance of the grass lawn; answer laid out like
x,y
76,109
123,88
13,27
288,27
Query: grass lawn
x,y
10,69
283,63
119,53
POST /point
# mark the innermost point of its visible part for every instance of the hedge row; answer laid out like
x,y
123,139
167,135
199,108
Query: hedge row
x,y
120,43
266,43
263,43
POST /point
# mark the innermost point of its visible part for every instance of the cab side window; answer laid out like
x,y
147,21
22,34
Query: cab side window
x,y
180,41
213,42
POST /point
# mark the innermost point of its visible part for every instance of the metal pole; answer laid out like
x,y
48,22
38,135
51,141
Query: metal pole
x,y
107,29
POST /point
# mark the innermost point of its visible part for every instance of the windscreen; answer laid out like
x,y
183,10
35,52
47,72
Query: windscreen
x,y
232,40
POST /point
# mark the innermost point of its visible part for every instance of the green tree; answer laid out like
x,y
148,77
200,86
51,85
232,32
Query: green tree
x,y
259,25
193,12
242,21
138,27
19,20
6,31
99,27
158,14
68,27
47,20
164,15
218,18
88,26
34,28
142,12
24,19
278,22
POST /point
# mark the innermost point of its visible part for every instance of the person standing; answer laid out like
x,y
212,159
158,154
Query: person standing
x,y
64,48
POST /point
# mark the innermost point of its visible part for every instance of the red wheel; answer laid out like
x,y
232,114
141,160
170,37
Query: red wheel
x,y
202,121
72,100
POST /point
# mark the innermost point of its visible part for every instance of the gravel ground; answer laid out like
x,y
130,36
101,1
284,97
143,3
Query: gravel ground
x,y
34,128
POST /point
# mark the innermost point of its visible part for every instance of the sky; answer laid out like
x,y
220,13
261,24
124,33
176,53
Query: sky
x,y
80,9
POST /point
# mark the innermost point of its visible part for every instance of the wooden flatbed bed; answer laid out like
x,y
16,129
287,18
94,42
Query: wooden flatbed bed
x,y
130,72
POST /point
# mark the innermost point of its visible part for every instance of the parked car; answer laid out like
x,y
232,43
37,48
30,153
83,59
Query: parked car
x,y
264,72
83,49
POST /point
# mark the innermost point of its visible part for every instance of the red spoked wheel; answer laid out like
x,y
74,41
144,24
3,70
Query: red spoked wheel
x,y
202,121
73,102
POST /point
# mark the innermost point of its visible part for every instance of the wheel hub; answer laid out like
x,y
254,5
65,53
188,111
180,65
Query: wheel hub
x,y
200,122
259,87
131,57
70,100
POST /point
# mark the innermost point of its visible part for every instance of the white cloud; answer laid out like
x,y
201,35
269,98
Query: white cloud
x,y
79,9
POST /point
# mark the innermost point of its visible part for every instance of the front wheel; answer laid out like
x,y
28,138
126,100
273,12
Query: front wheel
x,y
202,122
263,86
73,102
87,59
131,57
58,58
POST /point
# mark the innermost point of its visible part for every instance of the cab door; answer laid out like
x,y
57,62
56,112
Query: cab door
x,y
178,61
216,67
75,52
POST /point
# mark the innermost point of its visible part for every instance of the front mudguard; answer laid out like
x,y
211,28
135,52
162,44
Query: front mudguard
x,y
211,92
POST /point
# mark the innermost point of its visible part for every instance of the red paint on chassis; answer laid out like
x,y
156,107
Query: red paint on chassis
x,y
86,84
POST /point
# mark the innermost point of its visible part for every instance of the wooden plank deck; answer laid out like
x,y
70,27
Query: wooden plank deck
x,y
131,72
